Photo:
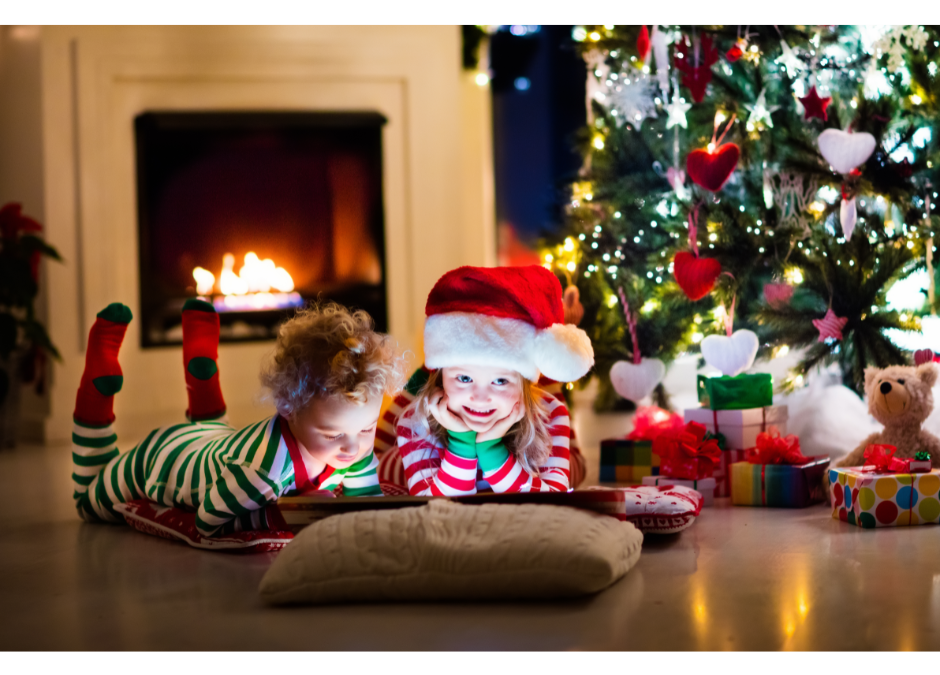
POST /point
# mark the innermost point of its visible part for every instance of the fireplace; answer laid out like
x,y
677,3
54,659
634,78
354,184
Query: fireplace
x,y
258,213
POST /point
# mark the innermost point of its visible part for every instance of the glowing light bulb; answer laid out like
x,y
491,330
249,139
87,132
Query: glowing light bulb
x,y
482,79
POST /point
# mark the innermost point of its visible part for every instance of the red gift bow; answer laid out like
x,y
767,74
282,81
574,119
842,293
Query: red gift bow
x,y
772,448
686,454
650,422
881,459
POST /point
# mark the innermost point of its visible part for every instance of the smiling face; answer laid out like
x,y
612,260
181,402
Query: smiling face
x,y
334,431
481,395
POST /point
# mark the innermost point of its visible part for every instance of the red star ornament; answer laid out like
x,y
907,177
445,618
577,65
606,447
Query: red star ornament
x,y
830,326
815,105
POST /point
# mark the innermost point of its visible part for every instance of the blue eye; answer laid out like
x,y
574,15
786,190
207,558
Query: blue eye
x,y
464,379
500,381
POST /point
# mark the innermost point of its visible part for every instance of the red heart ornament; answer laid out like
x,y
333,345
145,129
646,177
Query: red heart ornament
x,y
695,276
712,170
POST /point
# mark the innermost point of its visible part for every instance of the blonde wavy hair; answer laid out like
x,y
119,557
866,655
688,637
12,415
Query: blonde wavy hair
x,y
529,440
326,350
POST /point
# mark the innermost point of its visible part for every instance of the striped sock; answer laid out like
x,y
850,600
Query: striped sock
x,y
200,356
103,378
92,449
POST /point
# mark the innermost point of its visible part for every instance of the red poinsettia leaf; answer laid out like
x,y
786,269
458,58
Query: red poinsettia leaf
x,y
643,43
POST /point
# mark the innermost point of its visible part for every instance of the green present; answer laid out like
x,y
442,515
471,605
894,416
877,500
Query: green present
x,y
740,392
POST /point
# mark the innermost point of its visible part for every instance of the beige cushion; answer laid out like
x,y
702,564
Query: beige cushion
x,y
446,550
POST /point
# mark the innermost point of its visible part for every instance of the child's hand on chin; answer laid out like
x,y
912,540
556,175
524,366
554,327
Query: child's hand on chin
x,y
502,427
437,406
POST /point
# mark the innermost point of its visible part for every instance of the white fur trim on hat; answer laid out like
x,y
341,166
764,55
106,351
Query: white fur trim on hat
x,y
561,352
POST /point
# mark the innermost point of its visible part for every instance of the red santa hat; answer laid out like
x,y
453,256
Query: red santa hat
x,y
508,317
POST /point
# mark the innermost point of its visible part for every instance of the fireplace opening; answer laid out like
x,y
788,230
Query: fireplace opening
x,y
258,213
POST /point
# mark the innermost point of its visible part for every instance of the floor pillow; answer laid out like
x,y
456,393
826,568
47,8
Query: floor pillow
x,y
180,525
659,509
450,551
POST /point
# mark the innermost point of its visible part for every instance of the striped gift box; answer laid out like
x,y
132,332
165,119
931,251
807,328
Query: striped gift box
x,y
781,485
624,461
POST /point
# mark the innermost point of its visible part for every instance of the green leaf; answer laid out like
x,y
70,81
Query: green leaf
x,y
30,243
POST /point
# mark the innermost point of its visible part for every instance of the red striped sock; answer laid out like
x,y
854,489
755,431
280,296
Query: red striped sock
x,y
200,356
103,378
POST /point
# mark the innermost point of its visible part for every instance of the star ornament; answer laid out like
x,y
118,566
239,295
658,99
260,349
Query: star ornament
x,y
676,111
760,113
815,105
789,60
830,326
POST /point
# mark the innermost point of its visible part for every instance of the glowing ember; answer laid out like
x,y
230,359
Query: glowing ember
x,y
250,289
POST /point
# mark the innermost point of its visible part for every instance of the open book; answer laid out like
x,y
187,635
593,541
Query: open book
x,y
298,512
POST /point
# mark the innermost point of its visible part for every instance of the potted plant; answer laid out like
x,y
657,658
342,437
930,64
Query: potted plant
x,y
24,343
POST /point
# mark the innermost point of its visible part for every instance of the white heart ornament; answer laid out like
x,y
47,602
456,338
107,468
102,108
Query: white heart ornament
x,y
731,355
845,151
636,381
847,216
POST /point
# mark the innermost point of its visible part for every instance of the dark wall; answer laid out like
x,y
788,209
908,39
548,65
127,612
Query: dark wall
x,y
533,127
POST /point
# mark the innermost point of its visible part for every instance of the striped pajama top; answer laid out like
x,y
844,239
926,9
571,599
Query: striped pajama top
x,y
432,469
227,476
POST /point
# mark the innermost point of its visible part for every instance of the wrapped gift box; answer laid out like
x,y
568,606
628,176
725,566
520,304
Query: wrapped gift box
x,y
722,473
870,499
739,427
786,485
740,392
624,461
704,486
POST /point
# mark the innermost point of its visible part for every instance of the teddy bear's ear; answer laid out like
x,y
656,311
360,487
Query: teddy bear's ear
x,y
870,374
927,374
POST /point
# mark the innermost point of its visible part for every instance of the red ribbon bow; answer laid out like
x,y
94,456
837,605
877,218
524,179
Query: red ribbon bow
x,y
650,422
772,448
881,459
686,454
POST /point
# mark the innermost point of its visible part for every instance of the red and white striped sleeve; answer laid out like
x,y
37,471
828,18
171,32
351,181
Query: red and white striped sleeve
x,y
431,469
385,432
554,475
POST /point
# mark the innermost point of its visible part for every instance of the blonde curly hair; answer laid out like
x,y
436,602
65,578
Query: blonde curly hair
x,y
326,350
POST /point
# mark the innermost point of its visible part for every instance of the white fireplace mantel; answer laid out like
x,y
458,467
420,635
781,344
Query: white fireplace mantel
x,y
437,174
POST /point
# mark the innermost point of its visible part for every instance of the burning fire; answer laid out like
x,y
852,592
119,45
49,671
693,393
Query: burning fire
x,y
251,288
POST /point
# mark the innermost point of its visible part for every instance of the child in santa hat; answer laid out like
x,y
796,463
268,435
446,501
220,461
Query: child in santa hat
x,y
480,421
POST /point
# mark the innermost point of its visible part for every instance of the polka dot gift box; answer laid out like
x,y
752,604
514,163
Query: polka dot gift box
x,y
869,499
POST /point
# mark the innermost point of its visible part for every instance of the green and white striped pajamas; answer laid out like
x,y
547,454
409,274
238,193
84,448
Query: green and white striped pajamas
x,y
228,477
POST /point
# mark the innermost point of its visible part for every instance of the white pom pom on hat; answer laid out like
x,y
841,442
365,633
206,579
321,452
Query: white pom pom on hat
x,y
507,317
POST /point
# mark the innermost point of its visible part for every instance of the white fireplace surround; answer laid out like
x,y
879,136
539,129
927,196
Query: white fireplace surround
x,y
437,170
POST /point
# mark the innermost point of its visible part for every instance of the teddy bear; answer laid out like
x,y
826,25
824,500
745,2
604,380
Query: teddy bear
x,y
901,398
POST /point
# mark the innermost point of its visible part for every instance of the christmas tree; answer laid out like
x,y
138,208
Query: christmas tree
x,y
771,178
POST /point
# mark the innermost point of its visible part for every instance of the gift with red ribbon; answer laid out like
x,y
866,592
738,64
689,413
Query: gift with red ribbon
x,y
690,453
880,459
777,473
772,448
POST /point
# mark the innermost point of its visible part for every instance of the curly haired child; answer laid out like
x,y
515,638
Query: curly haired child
x,y
480,421
327,377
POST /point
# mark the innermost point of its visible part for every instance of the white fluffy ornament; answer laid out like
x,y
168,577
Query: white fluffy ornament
x,y
845,151
731,355
636,381
847,216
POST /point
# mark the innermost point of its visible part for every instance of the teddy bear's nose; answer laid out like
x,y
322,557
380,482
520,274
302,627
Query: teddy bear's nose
x,y
885,387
